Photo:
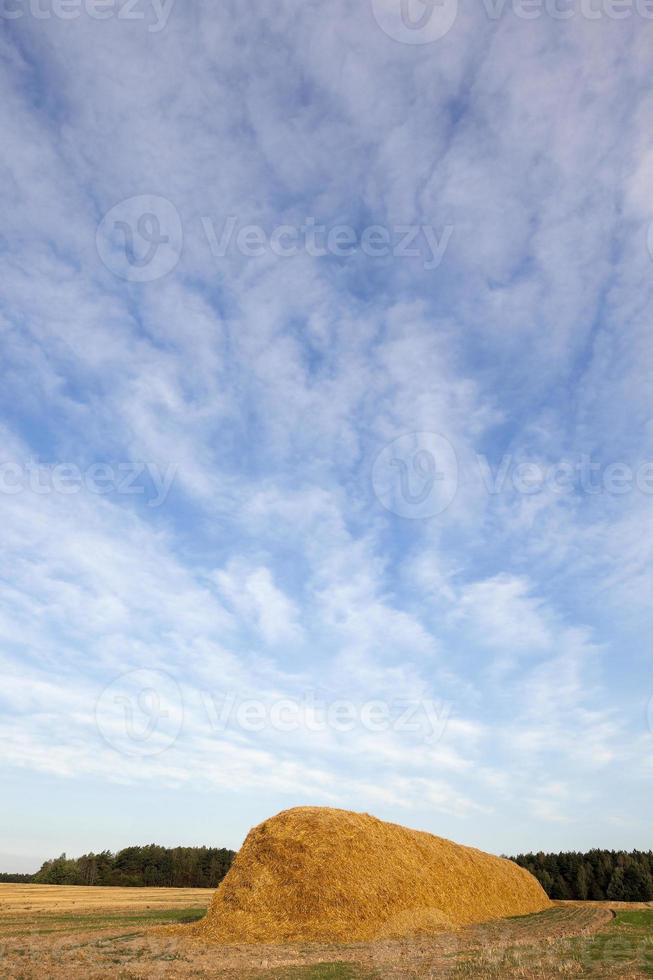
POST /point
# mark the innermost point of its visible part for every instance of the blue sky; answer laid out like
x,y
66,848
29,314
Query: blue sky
x,y
356,516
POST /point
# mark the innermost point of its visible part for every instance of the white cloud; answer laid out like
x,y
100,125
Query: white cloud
x,y
255,597
271,384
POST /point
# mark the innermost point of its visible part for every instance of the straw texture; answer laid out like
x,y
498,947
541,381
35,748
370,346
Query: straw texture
x,y
320,874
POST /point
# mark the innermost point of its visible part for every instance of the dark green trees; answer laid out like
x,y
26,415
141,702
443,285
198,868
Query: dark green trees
x,y
598,875
150,865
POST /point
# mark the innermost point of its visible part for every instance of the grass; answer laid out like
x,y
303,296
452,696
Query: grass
x,y
641,918
90,942
44,923
325,971
628,942
624,947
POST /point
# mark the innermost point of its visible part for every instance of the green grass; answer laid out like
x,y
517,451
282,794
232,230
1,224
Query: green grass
x,y
642,918
625,944
62,922
530,950
325,971
628,941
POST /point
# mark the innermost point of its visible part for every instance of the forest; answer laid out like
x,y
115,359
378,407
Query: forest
x,y
619,876
150,865
598,875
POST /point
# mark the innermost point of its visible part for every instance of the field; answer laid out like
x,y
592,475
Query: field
x,y
51,931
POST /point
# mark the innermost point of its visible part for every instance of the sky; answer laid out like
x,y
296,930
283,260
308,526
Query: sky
x,y
326,427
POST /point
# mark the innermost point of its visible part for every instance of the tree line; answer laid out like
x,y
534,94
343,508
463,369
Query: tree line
x,y
618,876
597,875
149,865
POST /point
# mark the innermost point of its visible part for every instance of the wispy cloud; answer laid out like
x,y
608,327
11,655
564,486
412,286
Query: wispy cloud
x,y
267,385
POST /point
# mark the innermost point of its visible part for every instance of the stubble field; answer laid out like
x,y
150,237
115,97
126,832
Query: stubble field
x,y
70,931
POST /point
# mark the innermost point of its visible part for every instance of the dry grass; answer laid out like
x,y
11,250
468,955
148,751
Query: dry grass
x,y
28,899
319,874
91,943
568,941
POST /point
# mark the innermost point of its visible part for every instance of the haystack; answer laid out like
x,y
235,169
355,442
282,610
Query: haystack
x,y
319,874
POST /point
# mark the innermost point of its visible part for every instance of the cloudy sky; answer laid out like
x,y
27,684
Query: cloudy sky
x,y
326,420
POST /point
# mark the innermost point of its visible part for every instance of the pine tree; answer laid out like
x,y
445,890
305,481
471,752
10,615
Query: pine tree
x,y
638,884
582,883
616,890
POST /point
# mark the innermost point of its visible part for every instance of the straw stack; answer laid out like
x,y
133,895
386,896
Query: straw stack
x,y
319,874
